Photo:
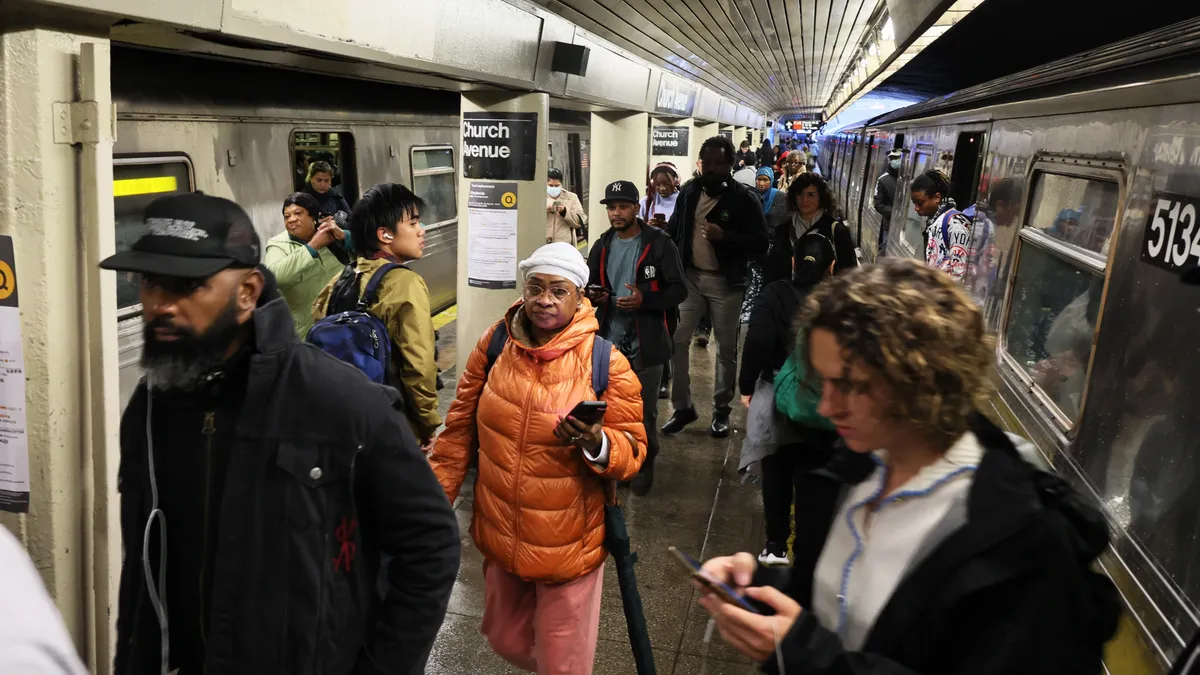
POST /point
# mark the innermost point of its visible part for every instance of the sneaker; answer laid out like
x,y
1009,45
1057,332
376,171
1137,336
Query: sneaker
x,y
664,392
773,554
701,341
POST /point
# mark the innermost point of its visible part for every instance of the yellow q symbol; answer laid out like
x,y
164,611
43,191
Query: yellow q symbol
x,y
8,281
508,200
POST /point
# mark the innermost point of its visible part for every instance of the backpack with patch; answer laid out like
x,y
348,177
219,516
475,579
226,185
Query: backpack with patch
x,y
350,332
601,354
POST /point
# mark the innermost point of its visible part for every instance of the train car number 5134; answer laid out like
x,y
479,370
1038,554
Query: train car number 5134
x,y
1172,237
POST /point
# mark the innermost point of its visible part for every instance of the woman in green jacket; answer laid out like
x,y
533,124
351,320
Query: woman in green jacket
x,y
305,256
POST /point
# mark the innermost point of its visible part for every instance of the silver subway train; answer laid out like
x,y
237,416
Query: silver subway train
x,y
247,133
1085,178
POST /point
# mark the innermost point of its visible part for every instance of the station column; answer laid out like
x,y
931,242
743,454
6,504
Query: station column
x,y
619,152
501,204
58,324
674,141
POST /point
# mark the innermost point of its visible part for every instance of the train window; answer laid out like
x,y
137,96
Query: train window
x,y
914,225
1058,286
433,180
1076,210
333,147
137,181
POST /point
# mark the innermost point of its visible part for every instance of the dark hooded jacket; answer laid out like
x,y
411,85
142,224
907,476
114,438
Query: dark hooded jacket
x,y
332,204
283,519
1008,592
738,212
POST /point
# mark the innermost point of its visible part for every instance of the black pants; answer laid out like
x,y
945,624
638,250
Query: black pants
x,y
651,379
780,472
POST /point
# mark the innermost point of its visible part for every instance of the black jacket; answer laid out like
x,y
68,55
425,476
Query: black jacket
x,y
659,277
332,204
738,212
1008,592
885,195
748,156
771,335
324,478
779,257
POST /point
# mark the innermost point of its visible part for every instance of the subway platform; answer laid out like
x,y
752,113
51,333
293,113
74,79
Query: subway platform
x,y
698,505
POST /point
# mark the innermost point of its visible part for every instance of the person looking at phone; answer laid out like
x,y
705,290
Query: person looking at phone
x,y
662,193
635,282
927,545
543,474
564,212
305,256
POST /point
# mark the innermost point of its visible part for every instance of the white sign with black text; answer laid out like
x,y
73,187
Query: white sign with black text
x,y
1171,240
14,443
492,235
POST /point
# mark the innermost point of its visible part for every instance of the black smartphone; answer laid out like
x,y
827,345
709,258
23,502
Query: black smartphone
x,y
723,591
589,412
594,291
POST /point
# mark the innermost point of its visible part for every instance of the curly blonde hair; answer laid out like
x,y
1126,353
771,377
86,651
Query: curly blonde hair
x,y
918,330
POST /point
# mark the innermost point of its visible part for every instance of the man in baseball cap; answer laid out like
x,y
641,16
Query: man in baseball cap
x,y
222,463
640,283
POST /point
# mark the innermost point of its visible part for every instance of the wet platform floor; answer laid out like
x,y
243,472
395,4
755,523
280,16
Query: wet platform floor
x,y
698,504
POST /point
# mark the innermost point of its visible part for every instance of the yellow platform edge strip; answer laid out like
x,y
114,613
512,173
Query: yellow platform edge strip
x,y
445,316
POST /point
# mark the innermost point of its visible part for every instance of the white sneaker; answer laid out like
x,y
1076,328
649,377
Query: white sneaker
x,y
773,556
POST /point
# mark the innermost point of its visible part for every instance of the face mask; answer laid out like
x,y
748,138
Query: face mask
x,y
554,191
895,164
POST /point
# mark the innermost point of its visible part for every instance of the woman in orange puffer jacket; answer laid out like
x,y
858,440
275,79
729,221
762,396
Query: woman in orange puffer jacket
x,y
541,488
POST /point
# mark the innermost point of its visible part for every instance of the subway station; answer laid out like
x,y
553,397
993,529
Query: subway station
x,y
839,346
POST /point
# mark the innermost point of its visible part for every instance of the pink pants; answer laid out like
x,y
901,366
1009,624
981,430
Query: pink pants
x,y
548,629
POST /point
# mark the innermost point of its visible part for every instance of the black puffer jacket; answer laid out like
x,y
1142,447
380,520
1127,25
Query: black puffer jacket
x,y
332,204
1008,592
324,479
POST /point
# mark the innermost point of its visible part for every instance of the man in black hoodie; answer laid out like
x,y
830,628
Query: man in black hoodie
x,y
640,282
262,481
718,226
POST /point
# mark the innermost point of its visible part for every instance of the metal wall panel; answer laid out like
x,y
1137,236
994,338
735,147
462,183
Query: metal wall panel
x,y
610,76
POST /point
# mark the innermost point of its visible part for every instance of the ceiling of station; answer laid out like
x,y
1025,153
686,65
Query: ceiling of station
x,y
774,56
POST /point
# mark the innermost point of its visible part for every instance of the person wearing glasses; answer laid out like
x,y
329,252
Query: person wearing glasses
x,y
542,477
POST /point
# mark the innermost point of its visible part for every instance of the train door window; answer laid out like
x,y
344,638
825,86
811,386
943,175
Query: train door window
x,y
433,180
137,181
914,224
335,148
968,165
1058,286
899,144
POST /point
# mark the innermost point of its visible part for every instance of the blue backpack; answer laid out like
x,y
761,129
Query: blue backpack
x,y
601,353
356,336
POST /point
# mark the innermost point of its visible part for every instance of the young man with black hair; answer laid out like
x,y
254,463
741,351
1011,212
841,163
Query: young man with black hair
x,y
263,482
718,226
638,268
385,226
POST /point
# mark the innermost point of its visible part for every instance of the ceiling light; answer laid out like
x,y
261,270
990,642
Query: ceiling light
x,y
889,30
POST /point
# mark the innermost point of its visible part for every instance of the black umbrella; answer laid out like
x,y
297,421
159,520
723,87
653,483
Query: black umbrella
x,y
616,538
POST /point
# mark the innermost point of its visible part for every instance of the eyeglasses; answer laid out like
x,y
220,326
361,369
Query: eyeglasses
x,y
558,294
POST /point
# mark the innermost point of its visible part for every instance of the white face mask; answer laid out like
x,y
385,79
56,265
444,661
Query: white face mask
x,y
895,164
554,191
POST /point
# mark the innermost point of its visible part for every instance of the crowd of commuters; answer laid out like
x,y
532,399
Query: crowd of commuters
x,y
922,541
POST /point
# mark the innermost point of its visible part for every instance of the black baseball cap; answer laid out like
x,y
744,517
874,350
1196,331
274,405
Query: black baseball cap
x,y
621,191
190,236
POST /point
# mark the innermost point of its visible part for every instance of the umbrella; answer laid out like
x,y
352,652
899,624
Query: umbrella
x,y
616,539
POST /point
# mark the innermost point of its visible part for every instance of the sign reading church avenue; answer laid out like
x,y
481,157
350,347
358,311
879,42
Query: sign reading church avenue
x,y
499,145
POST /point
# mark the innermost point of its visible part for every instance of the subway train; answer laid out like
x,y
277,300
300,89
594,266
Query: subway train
x,y
246,132
1085,178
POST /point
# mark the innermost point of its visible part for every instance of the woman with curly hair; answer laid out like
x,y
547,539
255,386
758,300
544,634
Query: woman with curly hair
x,y
926,544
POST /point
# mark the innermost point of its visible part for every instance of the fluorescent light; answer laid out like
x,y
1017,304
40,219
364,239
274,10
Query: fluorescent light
x,y
889,30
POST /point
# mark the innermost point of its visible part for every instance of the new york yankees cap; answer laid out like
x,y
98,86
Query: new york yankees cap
x,y
621,191
190,236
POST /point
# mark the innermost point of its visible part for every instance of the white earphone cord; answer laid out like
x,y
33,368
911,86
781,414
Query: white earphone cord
x,y
158,596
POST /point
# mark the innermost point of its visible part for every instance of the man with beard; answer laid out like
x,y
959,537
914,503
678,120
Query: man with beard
x,y
636,281
262,481
718,226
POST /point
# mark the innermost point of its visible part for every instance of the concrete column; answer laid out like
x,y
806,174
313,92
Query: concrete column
x,y
56,203
620,151
739,135
685,163
479,308
703,133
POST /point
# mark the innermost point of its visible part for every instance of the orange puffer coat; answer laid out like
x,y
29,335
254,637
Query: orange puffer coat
x,y
539,504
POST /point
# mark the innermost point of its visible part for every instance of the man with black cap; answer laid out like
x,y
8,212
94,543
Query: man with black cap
x,y
885,196
263,481
636,281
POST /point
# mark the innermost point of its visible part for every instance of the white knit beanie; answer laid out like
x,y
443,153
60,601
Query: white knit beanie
x,y
560,259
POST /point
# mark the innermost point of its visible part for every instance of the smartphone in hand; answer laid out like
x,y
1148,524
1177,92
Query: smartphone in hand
x,y
723,591
589,412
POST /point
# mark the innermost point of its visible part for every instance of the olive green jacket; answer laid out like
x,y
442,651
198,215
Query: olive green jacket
x,y
300,275
403,306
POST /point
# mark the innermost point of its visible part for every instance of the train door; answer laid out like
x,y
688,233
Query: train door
x,y
585,171
968,165
137,181
912,235
574,161
867,185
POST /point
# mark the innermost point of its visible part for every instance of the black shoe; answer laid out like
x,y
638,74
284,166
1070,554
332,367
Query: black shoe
x,y
663,392
720,425
679,420
702,342
440,385
644,479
